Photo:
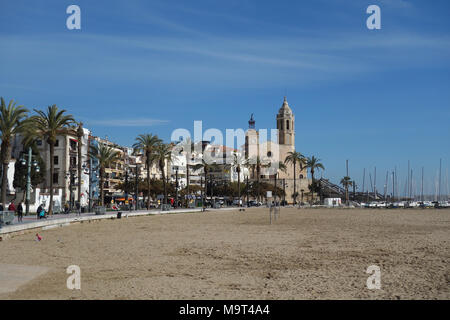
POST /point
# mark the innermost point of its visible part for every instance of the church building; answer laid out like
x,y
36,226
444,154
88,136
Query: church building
x,y
269,154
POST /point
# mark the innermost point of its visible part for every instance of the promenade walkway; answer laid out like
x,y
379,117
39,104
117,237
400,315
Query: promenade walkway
x,y
59,220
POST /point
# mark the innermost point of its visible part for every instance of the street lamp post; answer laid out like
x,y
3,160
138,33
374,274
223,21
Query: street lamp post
x,y
202,193
89,171
70,176
126,185
136,188
29,163
176,188
275,190
246,191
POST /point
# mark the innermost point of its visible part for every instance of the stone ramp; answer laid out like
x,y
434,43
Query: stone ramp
x,y
12,276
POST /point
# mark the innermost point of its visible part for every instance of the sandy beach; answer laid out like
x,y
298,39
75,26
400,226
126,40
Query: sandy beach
x,y
305,254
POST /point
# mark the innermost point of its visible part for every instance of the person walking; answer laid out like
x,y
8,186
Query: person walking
x,y
12,207
20,212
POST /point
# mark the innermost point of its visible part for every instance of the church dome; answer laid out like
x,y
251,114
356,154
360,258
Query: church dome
x,y
285,109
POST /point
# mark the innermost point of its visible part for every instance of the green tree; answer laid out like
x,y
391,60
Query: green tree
x,y
21,171
295,158
206,167
164,155
313,164
48,125
105,155
346,182
256,163
11,122
238,162
147,144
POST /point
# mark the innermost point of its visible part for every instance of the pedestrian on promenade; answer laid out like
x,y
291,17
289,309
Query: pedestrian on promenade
x,y
39,209
12,207
42,213
20,212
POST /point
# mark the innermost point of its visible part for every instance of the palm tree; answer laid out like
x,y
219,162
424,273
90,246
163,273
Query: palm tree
x,y
105,155
238,161
206,167
313,164
256,163
186,146
48,125
164,154
295,157
146,143
346,182
11,122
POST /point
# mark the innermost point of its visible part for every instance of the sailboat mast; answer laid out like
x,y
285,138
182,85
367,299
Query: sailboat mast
x,y
421,192
375,184
385,185
407,182
393,187
440,168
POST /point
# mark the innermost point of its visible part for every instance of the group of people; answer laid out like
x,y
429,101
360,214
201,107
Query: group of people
x,y
18,210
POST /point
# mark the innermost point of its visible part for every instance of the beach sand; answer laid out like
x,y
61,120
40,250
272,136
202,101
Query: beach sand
x,y
304,254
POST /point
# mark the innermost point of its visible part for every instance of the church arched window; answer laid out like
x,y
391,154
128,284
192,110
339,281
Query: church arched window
x,y
301,176
287,124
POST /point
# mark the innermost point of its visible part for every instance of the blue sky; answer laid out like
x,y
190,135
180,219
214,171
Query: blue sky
x,y
375,97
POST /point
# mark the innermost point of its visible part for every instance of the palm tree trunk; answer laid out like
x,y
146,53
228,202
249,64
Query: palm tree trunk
x,y
6,155
102,181
148,181
187,182
164,184
295,187
239,188
52,168
258,171
312,190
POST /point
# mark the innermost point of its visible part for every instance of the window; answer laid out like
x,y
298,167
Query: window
x,y
39,142
301,176
57,143
55,177
269,154
287,124
55,160
73,161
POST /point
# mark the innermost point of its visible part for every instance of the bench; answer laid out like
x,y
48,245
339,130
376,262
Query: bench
x,y
6,217
165,207
100,210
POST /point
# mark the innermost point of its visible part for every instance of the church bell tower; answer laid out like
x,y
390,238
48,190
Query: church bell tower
x,y
286,125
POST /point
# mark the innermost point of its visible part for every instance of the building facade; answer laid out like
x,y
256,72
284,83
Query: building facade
x,y
269,153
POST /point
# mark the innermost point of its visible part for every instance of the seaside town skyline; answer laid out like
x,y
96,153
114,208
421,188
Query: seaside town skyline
x,y
379,100
225,159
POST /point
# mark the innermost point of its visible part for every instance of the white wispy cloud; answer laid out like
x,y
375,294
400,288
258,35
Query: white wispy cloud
x,y
140,122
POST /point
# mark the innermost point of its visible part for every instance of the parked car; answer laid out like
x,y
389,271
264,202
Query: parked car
x,y
236,202
253,203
